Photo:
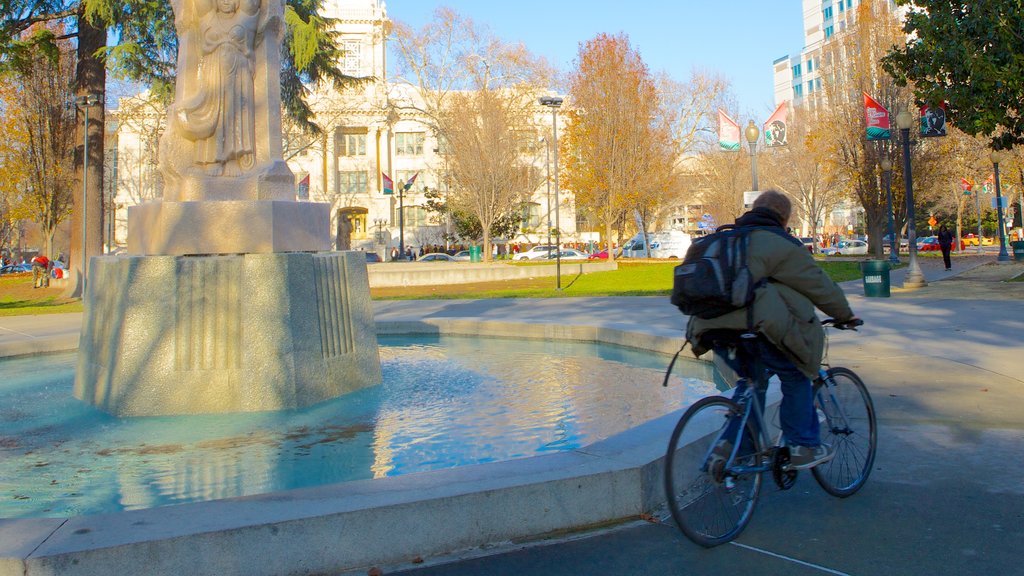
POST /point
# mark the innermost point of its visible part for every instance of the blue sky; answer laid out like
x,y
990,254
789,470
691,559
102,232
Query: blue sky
x,y
739,39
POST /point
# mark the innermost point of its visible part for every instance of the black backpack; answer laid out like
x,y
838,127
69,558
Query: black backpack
x,y
713,278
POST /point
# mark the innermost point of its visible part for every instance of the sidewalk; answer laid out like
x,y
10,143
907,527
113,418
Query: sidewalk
x,y
946,497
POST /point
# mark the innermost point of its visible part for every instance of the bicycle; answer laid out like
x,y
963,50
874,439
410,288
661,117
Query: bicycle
x,y
713,474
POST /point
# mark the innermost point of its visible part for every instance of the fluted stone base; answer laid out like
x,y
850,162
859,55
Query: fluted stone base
x,y
215,334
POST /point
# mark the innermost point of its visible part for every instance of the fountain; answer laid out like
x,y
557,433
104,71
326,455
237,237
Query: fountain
x,y
228,299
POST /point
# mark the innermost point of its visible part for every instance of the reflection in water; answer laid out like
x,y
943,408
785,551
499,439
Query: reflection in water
x,y
445,402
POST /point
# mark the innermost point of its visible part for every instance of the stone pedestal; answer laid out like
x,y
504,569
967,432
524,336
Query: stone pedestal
x,y
228,227
215,334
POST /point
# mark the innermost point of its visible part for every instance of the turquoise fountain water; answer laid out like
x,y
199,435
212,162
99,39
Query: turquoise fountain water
x,y
445,402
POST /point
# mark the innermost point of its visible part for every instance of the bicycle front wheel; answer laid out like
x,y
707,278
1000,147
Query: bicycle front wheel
x,y
848,425
709,501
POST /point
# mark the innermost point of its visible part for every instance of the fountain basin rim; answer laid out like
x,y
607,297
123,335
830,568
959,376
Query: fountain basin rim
x,y
348,526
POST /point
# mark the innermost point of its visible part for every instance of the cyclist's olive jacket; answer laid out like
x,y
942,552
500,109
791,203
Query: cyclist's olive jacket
x,y
784,305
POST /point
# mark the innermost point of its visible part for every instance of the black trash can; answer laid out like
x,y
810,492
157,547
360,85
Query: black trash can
x,y
876,278
1018,250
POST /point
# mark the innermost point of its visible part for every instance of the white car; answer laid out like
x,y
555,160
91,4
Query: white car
x,y
568,254
435,257
539,251
462,256
847,248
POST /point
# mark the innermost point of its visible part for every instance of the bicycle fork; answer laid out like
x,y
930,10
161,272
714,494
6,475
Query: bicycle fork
x,y
835,415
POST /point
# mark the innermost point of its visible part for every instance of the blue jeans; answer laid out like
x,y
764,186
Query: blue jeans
x,y
798,419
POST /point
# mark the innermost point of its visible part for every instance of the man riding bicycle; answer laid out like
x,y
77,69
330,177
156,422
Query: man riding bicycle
x,y
790,340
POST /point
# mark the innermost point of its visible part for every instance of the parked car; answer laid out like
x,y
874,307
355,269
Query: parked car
x,y
602,255
372,257
972,240
16,268
927,244
808,243
436,257
568,254
462,256
846,247
931,244
539,251
667,244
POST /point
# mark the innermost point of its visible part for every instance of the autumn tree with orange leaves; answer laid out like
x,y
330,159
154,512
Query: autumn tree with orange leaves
x,y
618,148
36,159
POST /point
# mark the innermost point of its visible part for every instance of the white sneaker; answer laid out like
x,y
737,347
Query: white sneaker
x,y
803,457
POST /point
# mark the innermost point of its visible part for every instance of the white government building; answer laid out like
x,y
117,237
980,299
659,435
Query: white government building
x,y
344,168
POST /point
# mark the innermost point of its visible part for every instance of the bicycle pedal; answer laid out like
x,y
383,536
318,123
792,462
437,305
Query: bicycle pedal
x,y
784,476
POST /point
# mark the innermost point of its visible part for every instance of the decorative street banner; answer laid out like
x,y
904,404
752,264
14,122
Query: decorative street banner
x,y
410,182
728,132
389,185
966,185
877,119
933,121
775,127
303,192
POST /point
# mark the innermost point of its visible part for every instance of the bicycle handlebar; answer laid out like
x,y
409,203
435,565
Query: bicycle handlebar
x,y
848,325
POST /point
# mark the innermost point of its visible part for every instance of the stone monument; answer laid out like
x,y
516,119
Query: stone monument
x,y
228,299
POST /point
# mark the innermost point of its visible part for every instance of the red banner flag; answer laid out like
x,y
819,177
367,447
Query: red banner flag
x,y
389,185
966,184
775,127
877,119
728,132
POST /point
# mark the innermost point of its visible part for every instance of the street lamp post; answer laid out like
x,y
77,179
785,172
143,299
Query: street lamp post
x,y
894,245
915,278
996,156
547,171
379,223
752,133
555,103
85,101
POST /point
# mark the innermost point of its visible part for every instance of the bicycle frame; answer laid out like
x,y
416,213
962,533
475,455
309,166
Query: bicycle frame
x,y
751,407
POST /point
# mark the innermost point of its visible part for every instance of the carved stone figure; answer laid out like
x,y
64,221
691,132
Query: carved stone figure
x,y
223,136
220,116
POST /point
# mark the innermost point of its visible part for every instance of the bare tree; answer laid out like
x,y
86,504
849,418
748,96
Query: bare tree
x,y
800,170
489,176
478,95
853,61
40,150
722,177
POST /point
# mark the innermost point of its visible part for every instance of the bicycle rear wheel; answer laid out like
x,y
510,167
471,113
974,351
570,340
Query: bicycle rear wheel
x,y
848,425
709,502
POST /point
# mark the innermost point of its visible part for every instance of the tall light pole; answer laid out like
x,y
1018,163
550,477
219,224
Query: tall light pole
x,y
752,133
894,244
85,101
555,103
996,156
547,171
915,278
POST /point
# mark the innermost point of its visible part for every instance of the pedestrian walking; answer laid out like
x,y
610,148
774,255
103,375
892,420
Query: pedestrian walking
x,y
945,244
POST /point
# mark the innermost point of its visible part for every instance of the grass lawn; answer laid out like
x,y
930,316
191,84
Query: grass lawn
x,y
17,297
631,279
